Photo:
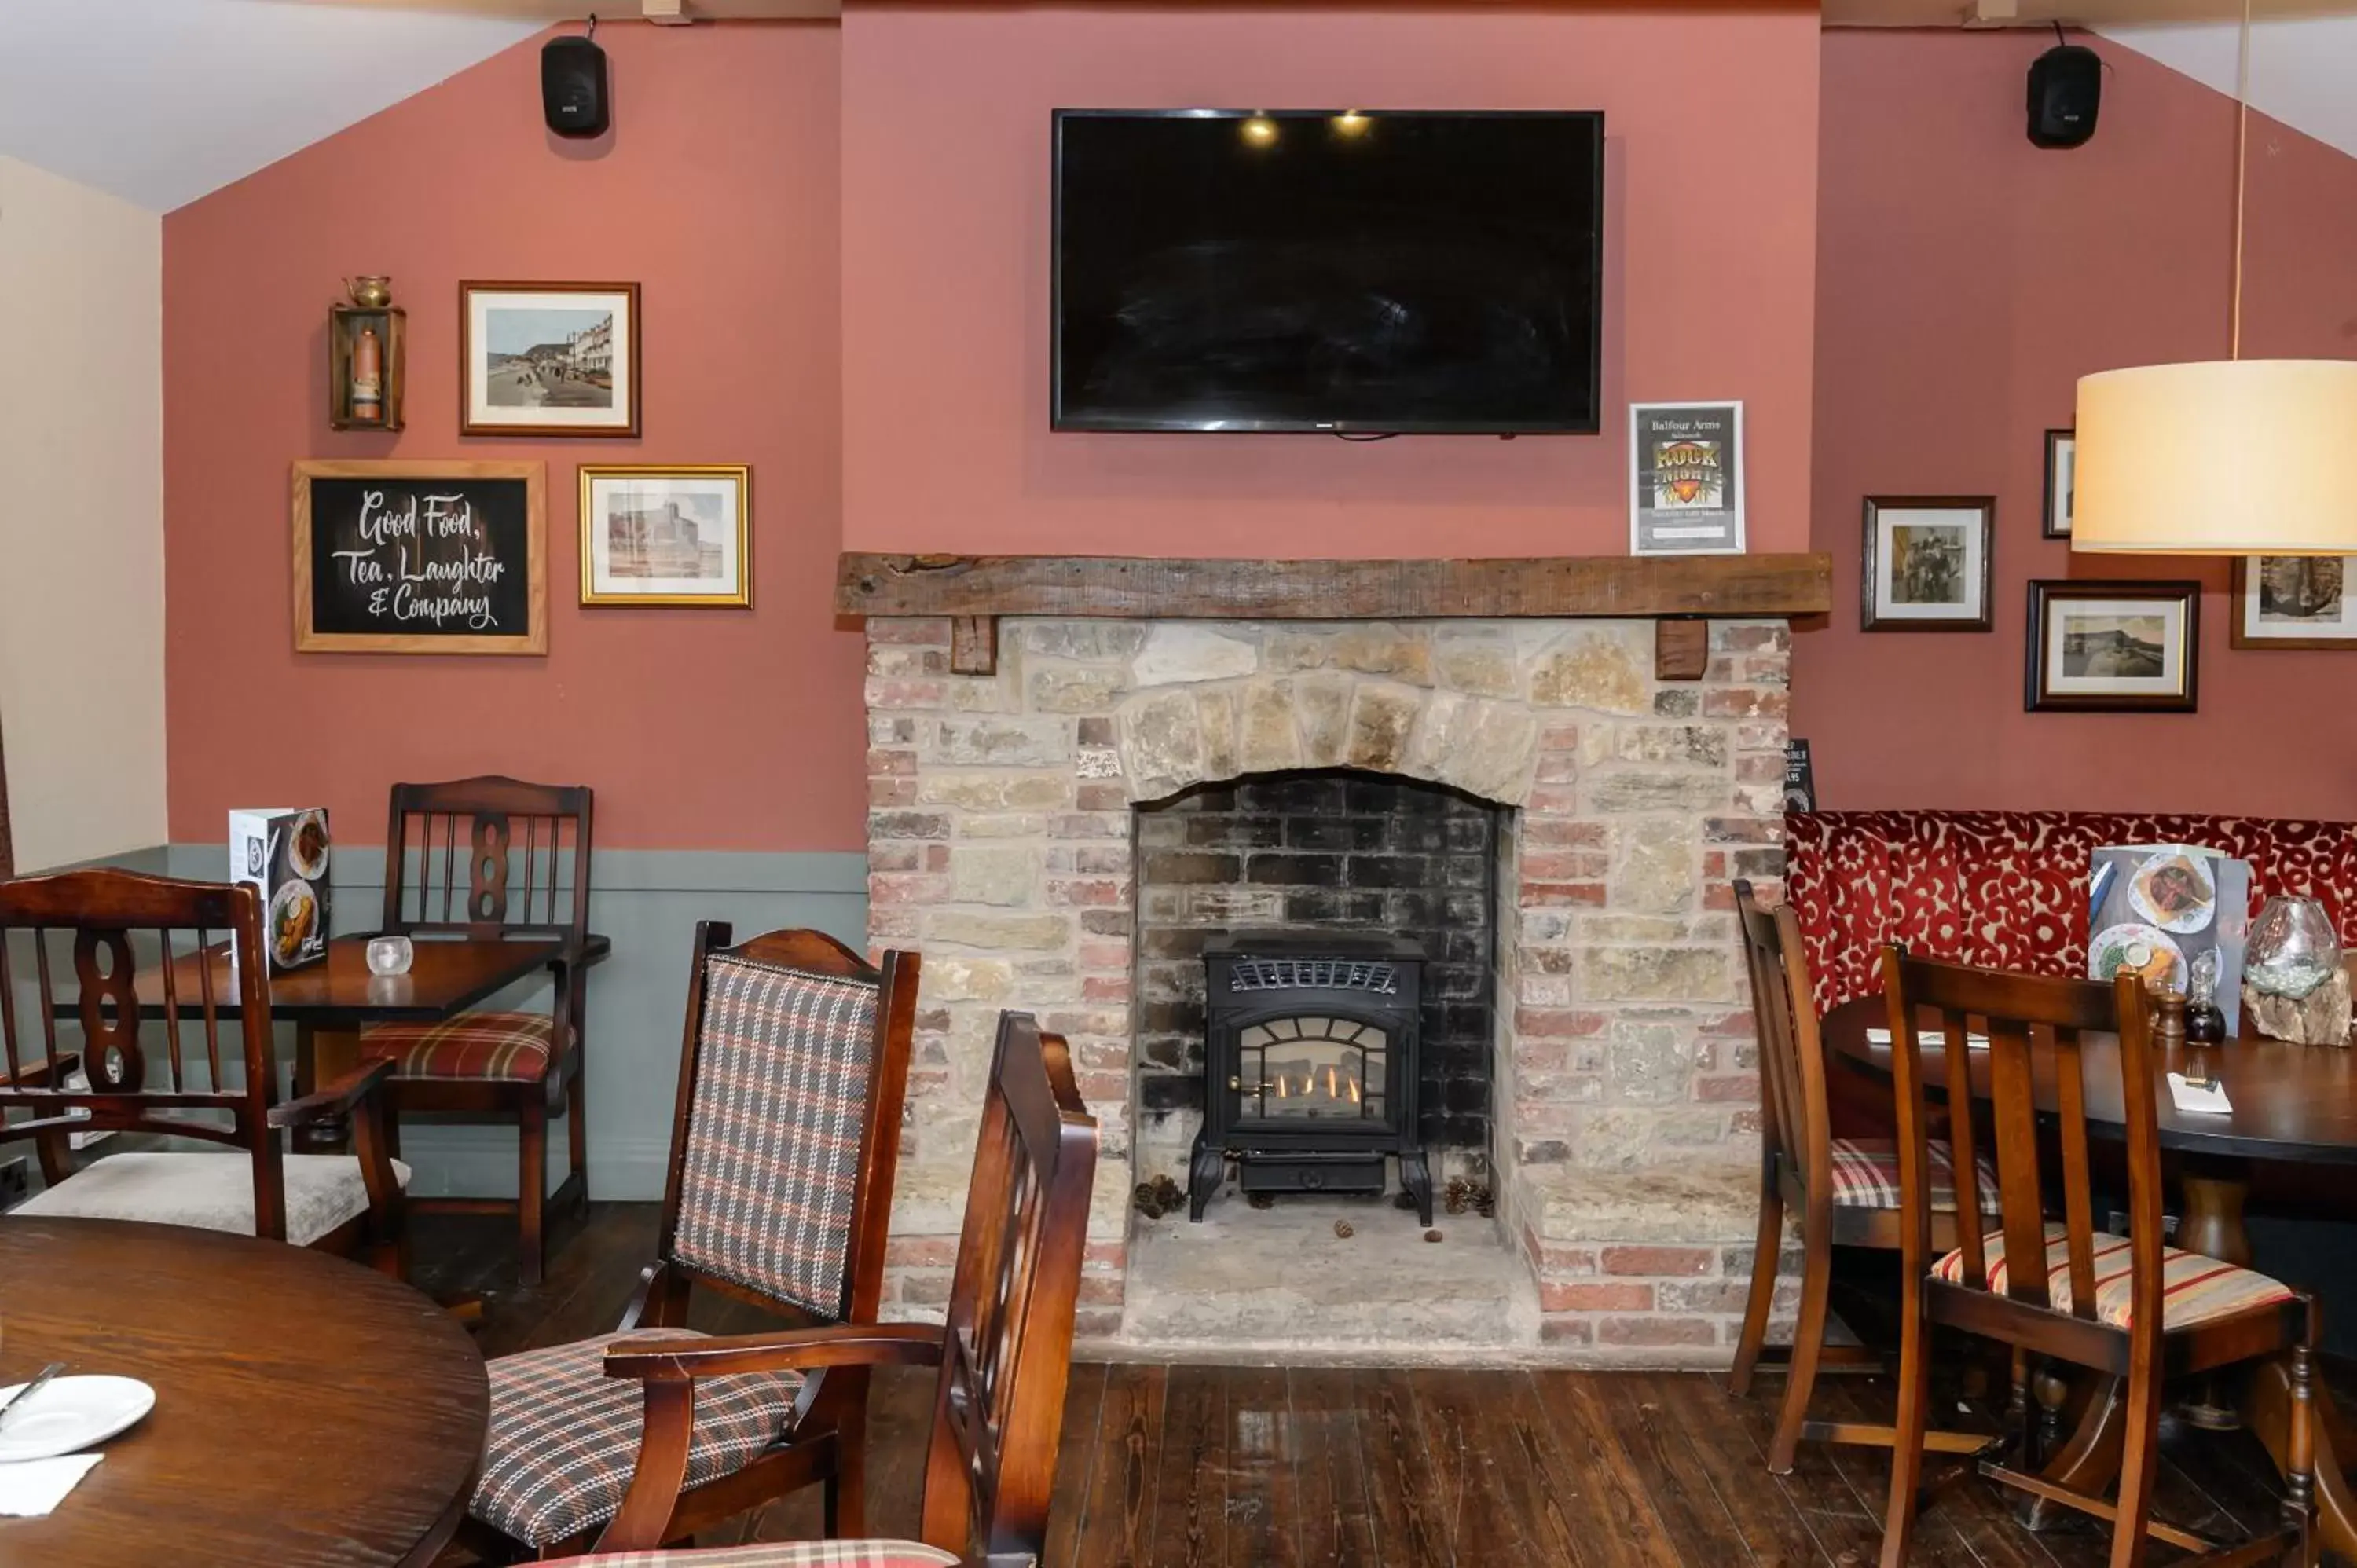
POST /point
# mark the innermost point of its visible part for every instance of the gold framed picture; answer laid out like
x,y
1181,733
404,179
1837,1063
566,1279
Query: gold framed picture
x,y
666,534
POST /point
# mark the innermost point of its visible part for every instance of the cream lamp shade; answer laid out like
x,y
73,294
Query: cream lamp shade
x,y
2218,457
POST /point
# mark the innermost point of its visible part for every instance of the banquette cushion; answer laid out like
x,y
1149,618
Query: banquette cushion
x,y
2007,889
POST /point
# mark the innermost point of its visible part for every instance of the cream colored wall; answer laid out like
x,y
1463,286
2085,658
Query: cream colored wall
x,y
82,519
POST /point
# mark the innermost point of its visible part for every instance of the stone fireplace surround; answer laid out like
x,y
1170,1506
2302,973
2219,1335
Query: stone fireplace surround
x,y
1001,845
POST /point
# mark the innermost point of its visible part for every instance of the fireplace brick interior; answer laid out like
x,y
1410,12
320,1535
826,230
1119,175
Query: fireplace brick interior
x,y
1005,823
1319,851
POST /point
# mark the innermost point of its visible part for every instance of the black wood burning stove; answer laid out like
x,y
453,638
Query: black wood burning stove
x,y
1310,1065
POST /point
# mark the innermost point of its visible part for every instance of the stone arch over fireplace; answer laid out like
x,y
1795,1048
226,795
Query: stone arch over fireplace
x,y
1625,1101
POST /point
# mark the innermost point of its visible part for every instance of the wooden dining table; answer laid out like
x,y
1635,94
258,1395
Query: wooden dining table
x,y
2290,1103
328,1002
309,1413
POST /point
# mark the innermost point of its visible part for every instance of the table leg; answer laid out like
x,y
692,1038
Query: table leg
x,y
322,1055
2090,1461
2211,1225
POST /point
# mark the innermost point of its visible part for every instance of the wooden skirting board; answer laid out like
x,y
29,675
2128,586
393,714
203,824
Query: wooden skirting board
x,y
1679,592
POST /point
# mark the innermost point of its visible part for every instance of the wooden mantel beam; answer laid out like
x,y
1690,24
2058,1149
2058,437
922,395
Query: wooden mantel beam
x,y
1124,588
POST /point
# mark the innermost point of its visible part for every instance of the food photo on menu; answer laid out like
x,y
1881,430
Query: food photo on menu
x,y
2154,909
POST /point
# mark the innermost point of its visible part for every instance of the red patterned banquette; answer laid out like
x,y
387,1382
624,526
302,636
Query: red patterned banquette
x,y
2007,889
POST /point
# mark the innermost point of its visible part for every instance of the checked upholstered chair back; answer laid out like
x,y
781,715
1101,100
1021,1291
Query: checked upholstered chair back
x,y
787,1137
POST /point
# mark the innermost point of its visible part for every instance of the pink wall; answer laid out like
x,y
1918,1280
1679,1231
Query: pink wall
x,y
718,191
1965,280
1711,166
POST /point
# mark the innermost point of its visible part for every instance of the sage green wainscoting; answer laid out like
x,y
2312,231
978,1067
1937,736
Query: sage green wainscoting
x,y
648,901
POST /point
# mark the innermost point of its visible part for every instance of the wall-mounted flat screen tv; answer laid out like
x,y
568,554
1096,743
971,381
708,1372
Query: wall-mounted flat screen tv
x,y
1342,271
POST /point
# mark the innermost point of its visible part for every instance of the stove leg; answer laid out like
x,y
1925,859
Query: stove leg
x,y
1208,1170
1416,1177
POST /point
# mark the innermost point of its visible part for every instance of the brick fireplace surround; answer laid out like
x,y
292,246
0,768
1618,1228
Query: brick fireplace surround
x,y
1624,1148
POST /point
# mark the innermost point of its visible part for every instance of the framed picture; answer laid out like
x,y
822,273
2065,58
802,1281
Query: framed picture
x,y
548,358
2126,646
1685,478
2061,482
1927,563
413,556
654,535
2295,601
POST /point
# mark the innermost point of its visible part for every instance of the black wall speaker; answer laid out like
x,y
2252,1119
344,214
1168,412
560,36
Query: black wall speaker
x,y
2066,84
572,86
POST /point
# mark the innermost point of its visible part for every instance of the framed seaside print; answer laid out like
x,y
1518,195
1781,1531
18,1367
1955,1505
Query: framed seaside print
x,y
653,535
548,358
2295,601
2124,647
420,557
2061,482
1927,563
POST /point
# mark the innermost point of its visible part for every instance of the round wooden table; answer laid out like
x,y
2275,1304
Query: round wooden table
x,y
2290,1103
308,1412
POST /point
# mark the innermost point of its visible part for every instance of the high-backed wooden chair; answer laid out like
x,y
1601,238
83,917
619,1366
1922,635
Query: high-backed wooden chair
x,y
139,1079
784,1142
493,858
1844,1191
1005,1352
2133,1308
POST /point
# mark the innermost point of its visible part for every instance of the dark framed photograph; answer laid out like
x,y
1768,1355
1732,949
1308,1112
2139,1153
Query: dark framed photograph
x,y
666,535
2061,482
1927,563
2295,601
2114,647
548,358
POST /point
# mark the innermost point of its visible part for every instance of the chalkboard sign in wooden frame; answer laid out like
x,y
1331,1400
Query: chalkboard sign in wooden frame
x,y
421,557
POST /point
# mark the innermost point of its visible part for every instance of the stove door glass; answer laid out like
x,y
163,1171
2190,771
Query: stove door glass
x,y
1312,1068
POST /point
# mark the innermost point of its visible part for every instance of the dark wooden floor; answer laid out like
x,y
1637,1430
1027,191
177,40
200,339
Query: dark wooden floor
x,y
1165,1466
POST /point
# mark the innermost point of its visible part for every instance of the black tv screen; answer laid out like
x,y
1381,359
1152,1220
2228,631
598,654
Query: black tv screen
x,y
1328,271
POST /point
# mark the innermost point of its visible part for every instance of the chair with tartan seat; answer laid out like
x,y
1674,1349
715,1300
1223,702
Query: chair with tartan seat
x,y
140,1072
785,1137
1843,1191
1005,1352
494,857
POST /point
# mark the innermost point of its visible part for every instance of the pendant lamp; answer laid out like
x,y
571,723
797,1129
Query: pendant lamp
x,y
2229,456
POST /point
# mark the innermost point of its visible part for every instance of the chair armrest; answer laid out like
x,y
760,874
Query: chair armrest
x,y
334,1099
799,1350
38,1074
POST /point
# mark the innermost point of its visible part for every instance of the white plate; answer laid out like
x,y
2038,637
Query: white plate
x,y
71,1414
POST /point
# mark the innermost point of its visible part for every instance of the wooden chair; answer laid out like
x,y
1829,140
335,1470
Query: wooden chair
x,y
1845,1191
524,872
138,1079
1005,1352
2133,1309
784,1141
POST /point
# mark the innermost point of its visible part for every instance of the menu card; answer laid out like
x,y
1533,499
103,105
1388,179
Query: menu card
x,y
2154,908
281,853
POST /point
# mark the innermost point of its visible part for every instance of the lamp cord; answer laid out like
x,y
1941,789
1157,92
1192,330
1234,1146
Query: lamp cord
x,y
2241,173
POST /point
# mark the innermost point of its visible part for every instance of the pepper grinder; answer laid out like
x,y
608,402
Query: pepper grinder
x,y
2169,1027
2204,1024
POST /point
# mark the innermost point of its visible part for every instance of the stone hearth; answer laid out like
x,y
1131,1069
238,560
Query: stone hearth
x,y
1624,1101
